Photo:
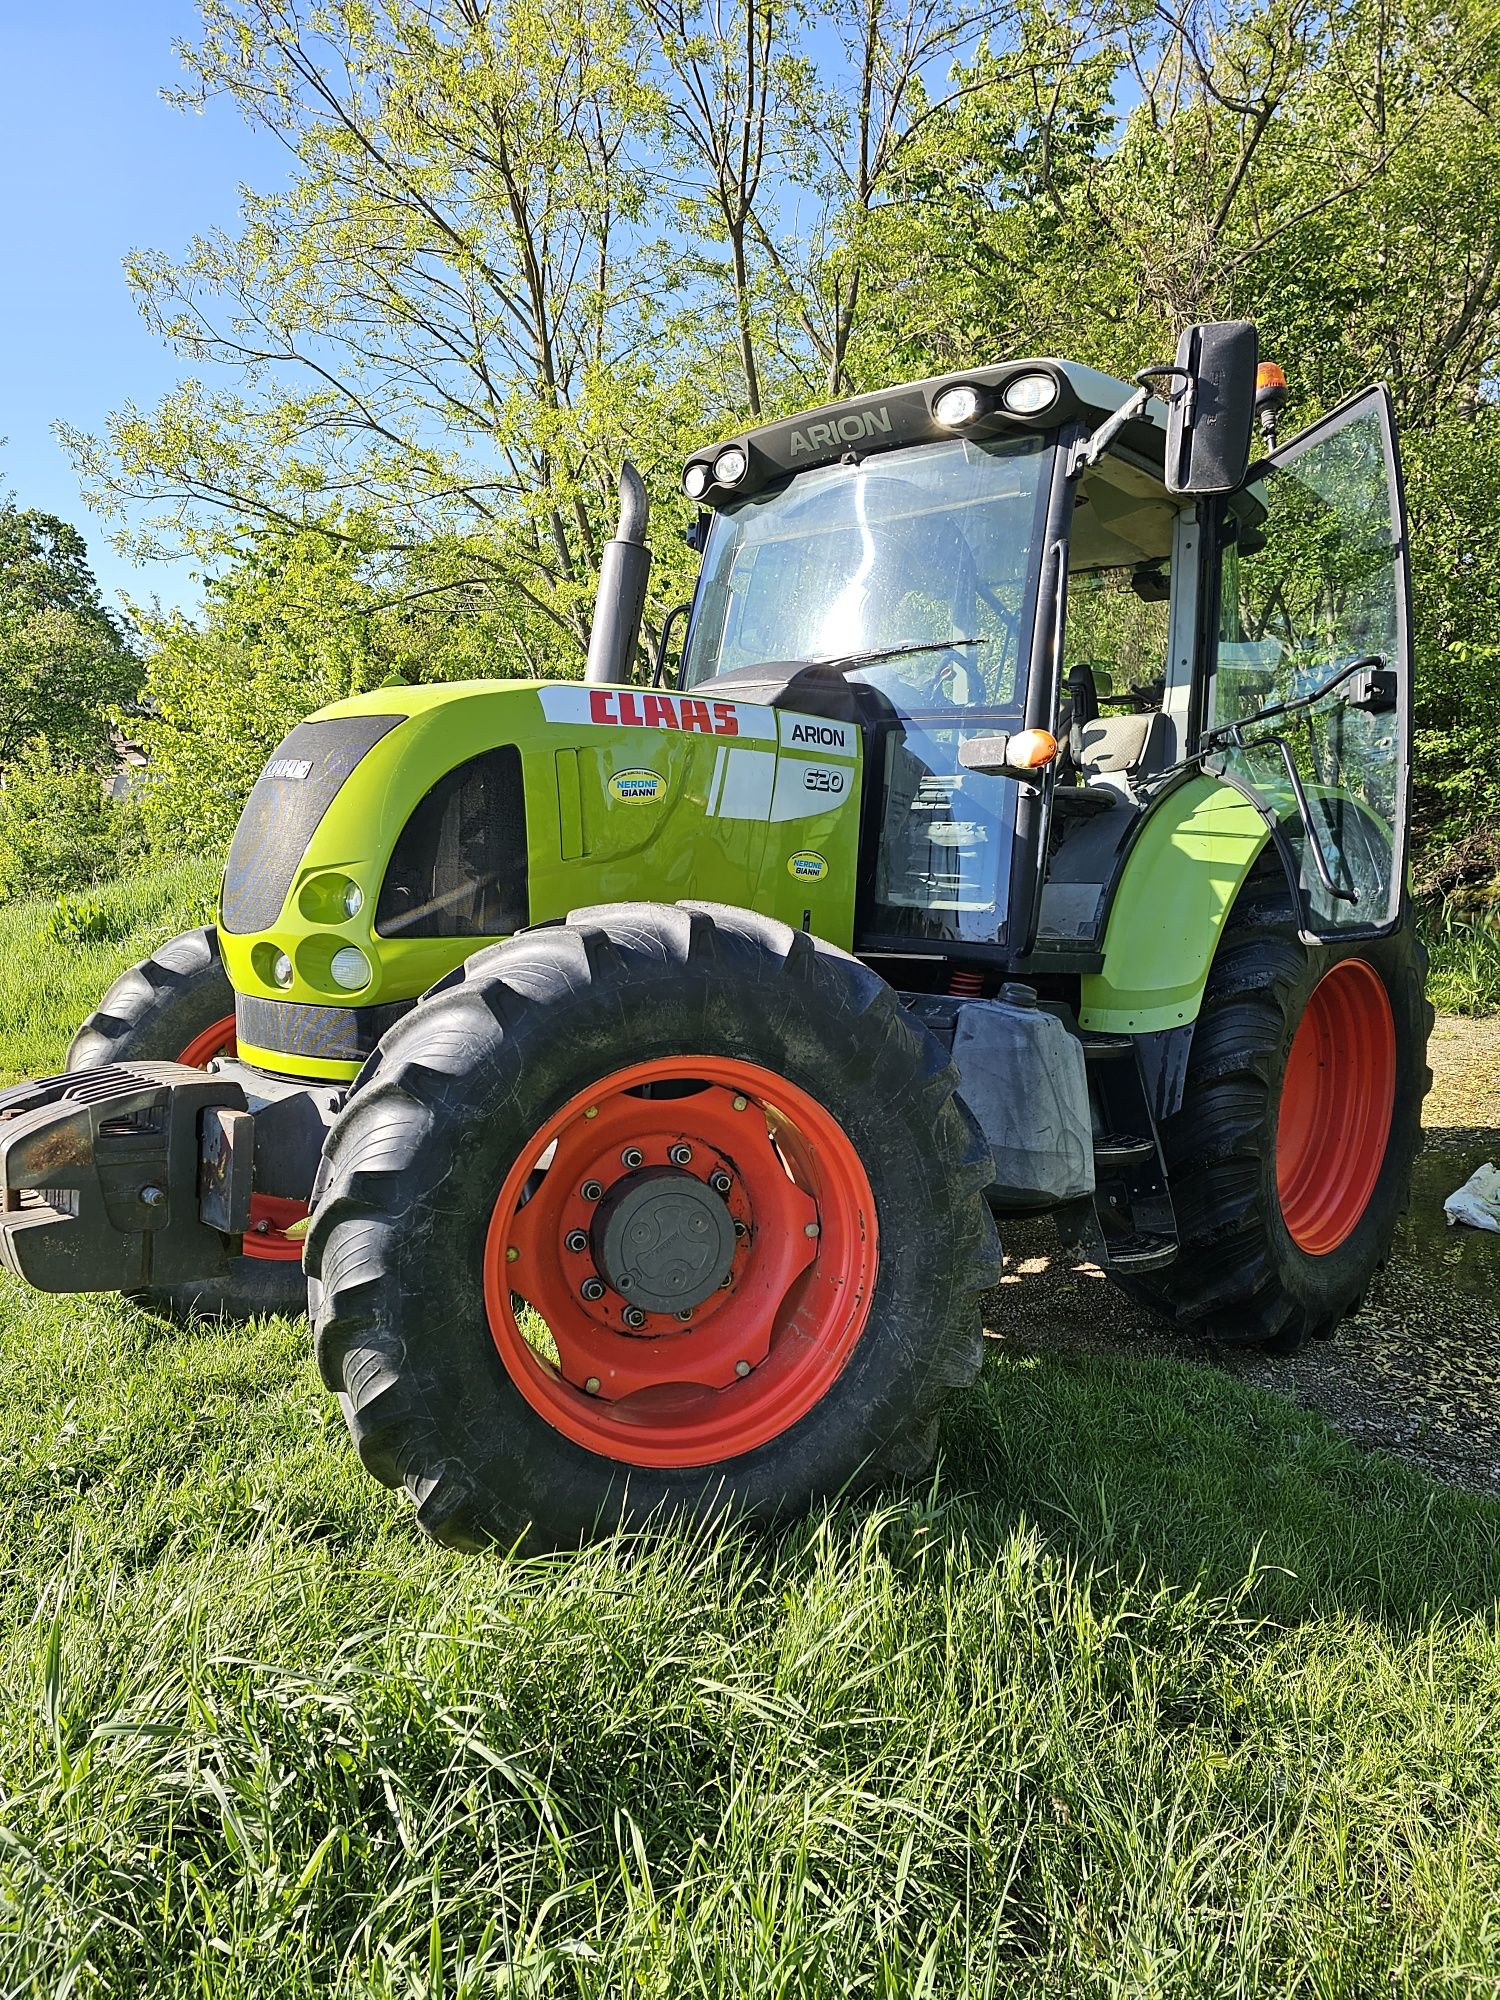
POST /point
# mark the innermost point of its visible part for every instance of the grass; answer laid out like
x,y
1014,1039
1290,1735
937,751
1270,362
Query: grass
x,y
1160,1689
1465,976
49,980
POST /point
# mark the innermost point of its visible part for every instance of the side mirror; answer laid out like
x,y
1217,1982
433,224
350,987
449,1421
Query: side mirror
x,y
1211,408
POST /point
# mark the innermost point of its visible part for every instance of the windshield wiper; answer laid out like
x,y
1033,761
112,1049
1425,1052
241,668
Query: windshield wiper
x,y
893,652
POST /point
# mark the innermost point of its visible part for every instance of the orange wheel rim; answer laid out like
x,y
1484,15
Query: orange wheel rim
x,y
1338,1095
270,1215
597,1231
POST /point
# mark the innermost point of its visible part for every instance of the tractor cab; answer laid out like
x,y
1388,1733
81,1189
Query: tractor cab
x,y
1047,597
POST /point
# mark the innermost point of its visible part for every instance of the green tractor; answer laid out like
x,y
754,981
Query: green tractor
x,y
629,1077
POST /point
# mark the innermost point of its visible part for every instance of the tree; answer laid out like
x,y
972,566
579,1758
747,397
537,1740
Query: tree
x,y
66,662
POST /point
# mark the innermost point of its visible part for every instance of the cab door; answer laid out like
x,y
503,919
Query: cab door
x,y
1310,698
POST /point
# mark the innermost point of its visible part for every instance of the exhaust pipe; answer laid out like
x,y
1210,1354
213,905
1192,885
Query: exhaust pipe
x,y
621,601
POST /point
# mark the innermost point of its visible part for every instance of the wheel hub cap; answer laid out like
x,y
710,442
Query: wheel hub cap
x,y
663,1240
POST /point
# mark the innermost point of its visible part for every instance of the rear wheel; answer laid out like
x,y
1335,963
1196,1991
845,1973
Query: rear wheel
x,y
662,1208
178,1006
1290,1157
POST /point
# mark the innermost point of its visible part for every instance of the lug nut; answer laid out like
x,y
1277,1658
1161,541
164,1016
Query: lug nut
x,y
811,1229
741,1228
634,1316
632,1157
592,1385
740,1103
686,1313
680,1156
592,1191
742,1369
576,1239
511,1253
720,1182
592,1289
726,1283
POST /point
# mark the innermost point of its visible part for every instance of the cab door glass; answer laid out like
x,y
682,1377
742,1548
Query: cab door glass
x,y
1315,583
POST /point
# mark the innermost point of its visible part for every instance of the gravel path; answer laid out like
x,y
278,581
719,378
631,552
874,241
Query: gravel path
x,y
1417,1372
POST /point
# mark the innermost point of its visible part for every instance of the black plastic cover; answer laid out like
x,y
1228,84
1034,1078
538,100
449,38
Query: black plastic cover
x,y
459,867
291,795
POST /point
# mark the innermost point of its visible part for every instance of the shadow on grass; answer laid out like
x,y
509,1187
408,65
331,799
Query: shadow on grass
x,y
1186,1477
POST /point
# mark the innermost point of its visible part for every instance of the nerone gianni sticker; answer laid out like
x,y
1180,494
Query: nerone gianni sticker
x,y
637,786
806,866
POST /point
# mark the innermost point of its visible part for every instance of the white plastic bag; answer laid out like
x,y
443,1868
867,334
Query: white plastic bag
x,y
1477,1202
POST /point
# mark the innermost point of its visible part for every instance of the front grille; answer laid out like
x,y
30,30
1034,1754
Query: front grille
x,y
289,798
459,867
326,1034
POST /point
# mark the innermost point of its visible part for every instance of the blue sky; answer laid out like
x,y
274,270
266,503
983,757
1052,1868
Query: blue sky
x,y
93,164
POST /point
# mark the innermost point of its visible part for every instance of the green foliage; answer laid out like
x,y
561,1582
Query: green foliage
x,y
66,664
58,828
1465,948
519,241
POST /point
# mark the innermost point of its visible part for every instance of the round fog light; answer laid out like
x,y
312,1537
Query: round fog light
x,y
350,968
1029,395
354,900
956,406
281,969
730,465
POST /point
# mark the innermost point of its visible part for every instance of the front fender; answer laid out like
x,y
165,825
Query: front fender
x,y
1170,902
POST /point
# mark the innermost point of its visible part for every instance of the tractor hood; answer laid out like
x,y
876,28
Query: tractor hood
x,y
392,835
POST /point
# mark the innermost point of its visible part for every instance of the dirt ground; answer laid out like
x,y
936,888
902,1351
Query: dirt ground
x,y
1416,1373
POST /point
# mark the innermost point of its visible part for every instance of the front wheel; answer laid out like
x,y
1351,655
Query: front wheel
x,y
1290,1156
658,1209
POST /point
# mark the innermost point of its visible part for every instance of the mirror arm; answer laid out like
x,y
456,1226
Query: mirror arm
x,y
1232,733
1093,448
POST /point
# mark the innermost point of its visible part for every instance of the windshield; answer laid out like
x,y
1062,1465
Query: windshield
x,y
912,573
913,567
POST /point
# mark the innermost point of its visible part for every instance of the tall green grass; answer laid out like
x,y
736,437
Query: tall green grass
x,y
1159,1689
1465,975
58,956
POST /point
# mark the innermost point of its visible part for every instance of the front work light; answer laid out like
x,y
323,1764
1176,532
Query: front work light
x,y
730,466
955,407
350,968
1029,395
695,480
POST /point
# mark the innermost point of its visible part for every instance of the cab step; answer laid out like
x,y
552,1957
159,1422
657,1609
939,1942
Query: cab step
x,y
1119,1149
1140,1252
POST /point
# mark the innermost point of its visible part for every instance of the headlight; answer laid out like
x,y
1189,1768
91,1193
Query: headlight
x,y
695,480
281,969
350,968
1029,395
354,900
955,407
730,466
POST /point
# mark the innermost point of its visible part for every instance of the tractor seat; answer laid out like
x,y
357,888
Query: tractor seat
x,y
1119,745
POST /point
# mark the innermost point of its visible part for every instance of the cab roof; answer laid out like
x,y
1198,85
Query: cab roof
x,y
889,419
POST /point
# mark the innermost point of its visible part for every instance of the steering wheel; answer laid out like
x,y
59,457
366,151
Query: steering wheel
x,y
951,683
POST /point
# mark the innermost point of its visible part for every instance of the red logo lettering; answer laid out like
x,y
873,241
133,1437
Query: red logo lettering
x,y
660,713
695,715
726,719
599,701
630,712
